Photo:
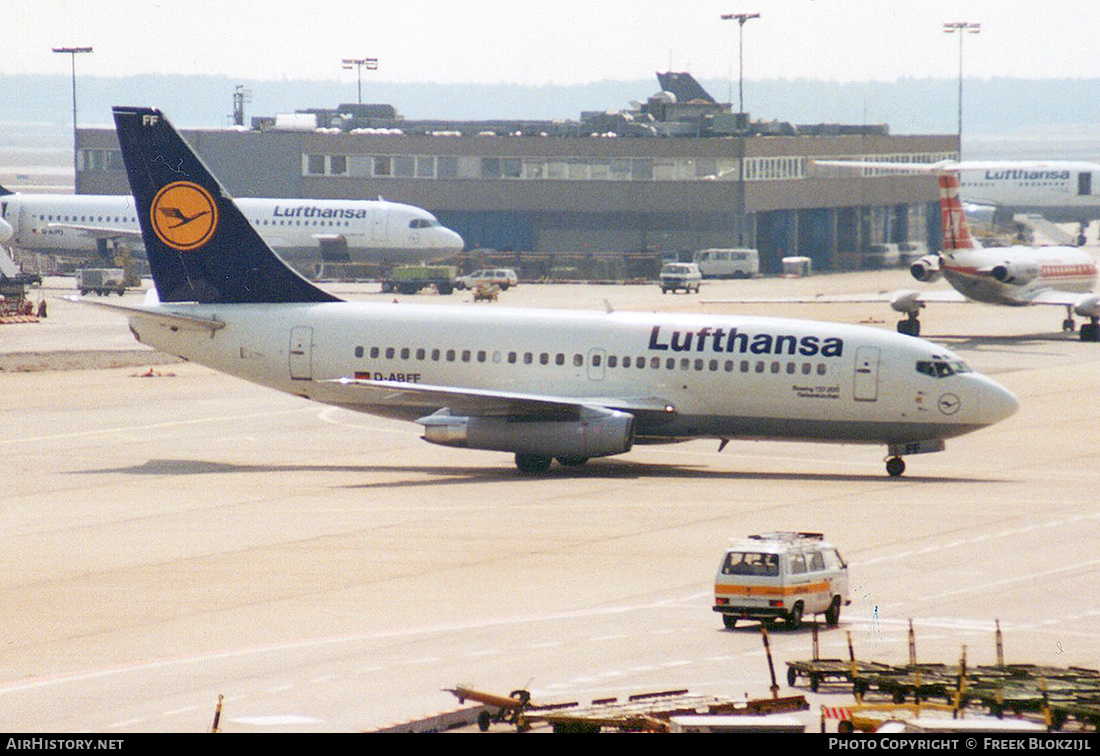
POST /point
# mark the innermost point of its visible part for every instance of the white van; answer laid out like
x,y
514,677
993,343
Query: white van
x,y
728,263
684,276
781,575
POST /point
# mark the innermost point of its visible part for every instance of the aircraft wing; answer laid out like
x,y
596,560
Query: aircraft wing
x,y
488,403
156,314
99,232
900,295
1083,304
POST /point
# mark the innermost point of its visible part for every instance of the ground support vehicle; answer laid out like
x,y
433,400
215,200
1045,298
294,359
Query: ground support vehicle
x,y
676,276
781,576
101,280
409,279
502,277
486,292
741,262
509,709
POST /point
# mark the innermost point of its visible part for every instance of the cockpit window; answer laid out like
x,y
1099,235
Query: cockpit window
x,y
420,223
941,368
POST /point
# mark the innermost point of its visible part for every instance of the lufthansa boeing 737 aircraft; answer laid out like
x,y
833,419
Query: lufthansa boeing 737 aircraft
x,y
303,231
540,384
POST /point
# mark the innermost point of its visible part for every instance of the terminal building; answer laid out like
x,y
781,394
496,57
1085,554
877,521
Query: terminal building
x,y
677,173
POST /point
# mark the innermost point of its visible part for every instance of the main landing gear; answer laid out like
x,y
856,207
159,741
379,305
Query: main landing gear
x,y
535,464
910,326
1091,331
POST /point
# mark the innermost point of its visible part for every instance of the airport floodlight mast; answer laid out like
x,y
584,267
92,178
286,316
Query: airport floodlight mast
x,y
740,18
371,64
73,52
962,28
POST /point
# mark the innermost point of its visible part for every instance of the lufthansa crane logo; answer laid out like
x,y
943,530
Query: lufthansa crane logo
x,y
184,215
949,404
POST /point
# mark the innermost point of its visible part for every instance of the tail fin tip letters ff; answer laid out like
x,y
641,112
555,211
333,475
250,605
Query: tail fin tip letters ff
x,y
200,246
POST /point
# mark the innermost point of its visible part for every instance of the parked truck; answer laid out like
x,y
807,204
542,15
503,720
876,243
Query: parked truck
x,y
409,279
101,280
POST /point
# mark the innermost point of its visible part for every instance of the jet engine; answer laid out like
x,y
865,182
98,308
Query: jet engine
x,y
1088,307
926,269
1015,273
596,432
6,231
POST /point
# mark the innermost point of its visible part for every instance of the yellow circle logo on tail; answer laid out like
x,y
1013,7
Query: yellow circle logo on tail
x,y
184,215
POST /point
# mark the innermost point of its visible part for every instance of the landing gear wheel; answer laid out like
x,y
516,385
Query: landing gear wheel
x,y
1069,324
533,463
909,327
895,466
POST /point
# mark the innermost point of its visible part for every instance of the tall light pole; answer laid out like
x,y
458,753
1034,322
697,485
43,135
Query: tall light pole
x,y
371,64
740,18
962,28
73,52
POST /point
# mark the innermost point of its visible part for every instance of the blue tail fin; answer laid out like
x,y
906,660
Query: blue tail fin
x,y
200,247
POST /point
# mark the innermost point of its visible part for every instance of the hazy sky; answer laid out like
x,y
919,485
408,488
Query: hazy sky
x,y
555,42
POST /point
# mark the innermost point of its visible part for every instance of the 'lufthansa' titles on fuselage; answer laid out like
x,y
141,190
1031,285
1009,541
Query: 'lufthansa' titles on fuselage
x,y
312,211
1020,174
727,341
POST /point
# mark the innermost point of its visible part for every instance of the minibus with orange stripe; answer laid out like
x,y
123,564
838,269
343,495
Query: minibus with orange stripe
x,y
781,576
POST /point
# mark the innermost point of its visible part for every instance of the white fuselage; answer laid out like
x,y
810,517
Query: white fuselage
x,y
301,230
1061,191
725,377
1028,271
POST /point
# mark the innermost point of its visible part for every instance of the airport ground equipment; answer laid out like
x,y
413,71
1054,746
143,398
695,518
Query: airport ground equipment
x,y
486,292
818,670
1053,694
409,279
780,576
102,281
509,709
676,276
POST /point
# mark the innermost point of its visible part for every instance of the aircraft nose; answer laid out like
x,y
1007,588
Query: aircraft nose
x,y
997,402
452,240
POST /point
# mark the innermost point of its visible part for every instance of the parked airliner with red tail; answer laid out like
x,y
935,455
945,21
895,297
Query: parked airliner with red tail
x,y
540,384
1016,276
